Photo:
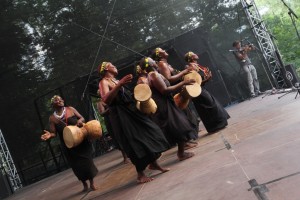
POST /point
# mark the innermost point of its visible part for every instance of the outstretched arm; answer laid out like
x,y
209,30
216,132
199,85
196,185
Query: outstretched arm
x,y
108,94
165,71
49,134
158,82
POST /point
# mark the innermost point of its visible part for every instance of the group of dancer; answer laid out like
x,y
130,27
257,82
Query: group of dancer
x,y
142,138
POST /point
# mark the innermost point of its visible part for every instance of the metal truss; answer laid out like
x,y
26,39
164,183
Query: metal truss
x,y
8,165
266,44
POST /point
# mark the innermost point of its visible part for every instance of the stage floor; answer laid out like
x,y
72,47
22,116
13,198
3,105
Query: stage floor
x,y
256,157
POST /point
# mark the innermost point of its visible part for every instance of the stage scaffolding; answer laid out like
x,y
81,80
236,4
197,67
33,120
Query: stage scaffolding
x,y
7,164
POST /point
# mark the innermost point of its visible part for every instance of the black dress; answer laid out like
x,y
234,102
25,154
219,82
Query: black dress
x,y
173,121
110,131
190,109
80,157
140,138
211,112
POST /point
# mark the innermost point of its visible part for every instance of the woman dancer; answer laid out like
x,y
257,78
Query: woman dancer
x,y
79,157
140,138
211,112
174,76
168,116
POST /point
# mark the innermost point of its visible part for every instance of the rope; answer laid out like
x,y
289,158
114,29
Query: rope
x,y
107,38
92,68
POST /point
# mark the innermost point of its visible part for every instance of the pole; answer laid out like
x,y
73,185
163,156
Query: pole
x,y
292,16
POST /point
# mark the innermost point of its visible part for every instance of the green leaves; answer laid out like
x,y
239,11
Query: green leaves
x,y
276,16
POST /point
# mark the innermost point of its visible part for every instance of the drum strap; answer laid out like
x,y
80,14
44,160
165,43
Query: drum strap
x,y
66,117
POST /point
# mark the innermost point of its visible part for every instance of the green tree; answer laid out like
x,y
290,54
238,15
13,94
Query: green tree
x,y
277,19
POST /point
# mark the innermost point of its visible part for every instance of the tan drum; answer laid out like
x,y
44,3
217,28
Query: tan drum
x,y
193,75
94,130
145,104
74,135
182,99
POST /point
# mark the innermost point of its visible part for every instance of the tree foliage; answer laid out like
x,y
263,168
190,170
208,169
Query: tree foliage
x,y
277,18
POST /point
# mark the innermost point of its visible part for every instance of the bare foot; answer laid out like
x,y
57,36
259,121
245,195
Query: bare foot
x,y
93,187
85,187
157,167
193,142
144,179
190,145
186,155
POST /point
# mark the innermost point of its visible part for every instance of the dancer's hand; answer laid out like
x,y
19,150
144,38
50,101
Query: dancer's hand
x,y
126,79
187,70
189,81
47,135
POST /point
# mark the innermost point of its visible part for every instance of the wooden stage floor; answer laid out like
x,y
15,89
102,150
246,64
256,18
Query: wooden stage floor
x,y
256,157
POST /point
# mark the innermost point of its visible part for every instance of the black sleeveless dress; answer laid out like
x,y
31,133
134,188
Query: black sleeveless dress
x,y
211,112
80,157
173,121
189,111
140,138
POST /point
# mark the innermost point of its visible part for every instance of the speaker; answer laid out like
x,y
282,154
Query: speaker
x,y
291,75
5,190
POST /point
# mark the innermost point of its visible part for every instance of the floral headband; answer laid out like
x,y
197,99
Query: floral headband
x,y
102,67
53,98
157,52
146,62
189,55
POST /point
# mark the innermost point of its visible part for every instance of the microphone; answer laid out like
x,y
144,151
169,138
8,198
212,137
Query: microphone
x,y
245,38
231,50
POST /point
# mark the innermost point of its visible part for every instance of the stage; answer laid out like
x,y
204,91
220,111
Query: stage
x,y
255,157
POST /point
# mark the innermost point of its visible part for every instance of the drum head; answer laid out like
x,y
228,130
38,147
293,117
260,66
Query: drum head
x,y
72,136
142,92
193,75
193,90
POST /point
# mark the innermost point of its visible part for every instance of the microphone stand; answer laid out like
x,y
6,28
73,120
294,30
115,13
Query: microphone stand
x,y
292,16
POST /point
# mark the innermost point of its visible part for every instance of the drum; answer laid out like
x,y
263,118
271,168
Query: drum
x,y
145,104
193,75
93,129
182,99
73,135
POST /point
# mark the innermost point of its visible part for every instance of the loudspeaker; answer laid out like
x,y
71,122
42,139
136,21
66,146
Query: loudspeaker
x,y
291,75
5,190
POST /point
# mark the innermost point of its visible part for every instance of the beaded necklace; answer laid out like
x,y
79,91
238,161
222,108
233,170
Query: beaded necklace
x,y
62,114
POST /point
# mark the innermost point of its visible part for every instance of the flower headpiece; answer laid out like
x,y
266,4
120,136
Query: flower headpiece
x,y
146,62
53,98
157,52
102,67
188,56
